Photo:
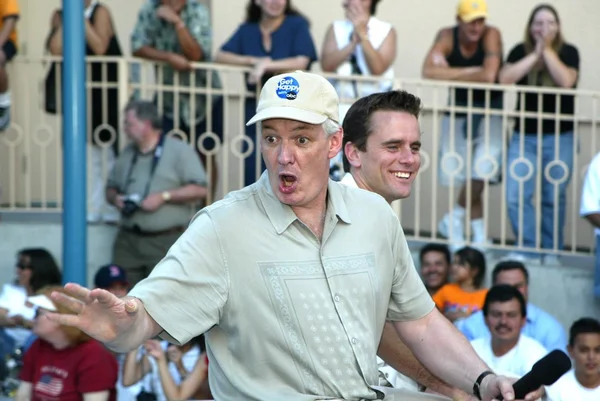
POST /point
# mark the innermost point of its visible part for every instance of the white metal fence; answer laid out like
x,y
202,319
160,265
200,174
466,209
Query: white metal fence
x,y
208,111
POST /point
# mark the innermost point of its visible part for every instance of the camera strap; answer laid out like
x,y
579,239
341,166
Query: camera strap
x,y
158,151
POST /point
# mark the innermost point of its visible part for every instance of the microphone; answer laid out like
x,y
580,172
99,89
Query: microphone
x,y
544,372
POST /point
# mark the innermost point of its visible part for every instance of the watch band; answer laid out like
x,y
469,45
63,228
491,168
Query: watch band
x,y
477,385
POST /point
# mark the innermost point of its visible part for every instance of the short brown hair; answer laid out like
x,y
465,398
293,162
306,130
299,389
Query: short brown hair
x,y
74,335
357,123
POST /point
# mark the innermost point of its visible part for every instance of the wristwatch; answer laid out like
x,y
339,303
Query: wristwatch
x,y
477,385
166,196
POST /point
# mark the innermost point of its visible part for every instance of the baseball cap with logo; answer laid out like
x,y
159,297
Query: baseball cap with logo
x,y
300,96
109,275
470,10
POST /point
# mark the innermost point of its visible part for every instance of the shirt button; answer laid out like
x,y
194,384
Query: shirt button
x,y
337,298
354,340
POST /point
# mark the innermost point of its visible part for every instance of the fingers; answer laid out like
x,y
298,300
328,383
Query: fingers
x,y
65,320
507,391
535,395
78,291
73,304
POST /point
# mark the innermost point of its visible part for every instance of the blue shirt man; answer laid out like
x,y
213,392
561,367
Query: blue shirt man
x,y
540,325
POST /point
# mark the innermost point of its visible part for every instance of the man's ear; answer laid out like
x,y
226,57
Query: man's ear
x,y
352,154
335,143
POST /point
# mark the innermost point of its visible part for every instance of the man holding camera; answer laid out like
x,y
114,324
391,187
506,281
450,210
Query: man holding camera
x,y
154,181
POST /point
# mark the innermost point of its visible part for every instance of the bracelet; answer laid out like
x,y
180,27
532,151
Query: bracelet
x,y
477,385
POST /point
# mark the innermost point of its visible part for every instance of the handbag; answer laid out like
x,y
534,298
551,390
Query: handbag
x,y
51,88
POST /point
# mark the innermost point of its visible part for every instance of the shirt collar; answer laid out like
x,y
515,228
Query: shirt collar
x,y
282,215
532,312
348,179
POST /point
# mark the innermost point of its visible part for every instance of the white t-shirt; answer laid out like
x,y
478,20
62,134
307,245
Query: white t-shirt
x,y
13,299
567,388
590,193
515,363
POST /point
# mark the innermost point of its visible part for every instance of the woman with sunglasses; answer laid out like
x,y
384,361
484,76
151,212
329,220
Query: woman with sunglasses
x,y
35,268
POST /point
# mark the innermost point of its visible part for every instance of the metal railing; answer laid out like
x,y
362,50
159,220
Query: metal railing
x,y
207,108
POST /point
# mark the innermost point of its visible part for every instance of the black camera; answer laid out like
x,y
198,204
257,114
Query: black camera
x,y
131,204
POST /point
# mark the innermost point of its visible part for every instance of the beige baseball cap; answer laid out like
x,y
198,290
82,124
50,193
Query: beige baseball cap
x,y
300,96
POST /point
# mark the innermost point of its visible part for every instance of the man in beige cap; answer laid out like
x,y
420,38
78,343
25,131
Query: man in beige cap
x,y
291,278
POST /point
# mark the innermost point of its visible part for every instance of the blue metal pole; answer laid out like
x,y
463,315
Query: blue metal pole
x,y
74,157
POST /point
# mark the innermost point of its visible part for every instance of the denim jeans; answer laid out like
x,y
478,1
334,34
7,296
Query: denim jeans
x,y
7,344
523,169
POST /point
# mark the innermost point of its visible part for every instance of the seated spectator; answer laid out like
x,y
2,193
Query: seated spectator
x,y
191,382
361,44
157,177
506,351
103,133
465,294
36,268
590,209
273,39
470,51
177,33
64,363
539,324
582,383
435,266
113,279
145,364
9,15
544,59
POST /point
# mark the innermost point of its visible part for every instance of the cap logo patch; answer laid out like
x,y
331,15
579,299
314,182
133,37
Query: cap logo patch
x,y
114,271
288,88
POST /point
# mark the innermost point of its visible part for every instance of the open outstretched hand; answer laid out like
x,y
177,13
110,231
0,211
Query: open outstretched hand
x,y
98,313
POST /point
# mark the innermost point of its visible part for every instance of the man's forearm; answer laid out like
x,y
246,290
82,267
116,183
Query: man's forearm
x,y
396,354
188,193
191,49
468,74
111,195
450,357
9,25
144,329
594,219
150,53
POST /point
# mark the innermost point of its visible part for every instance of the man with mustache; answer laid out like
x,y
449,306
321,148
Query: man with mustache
x,y
507,350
